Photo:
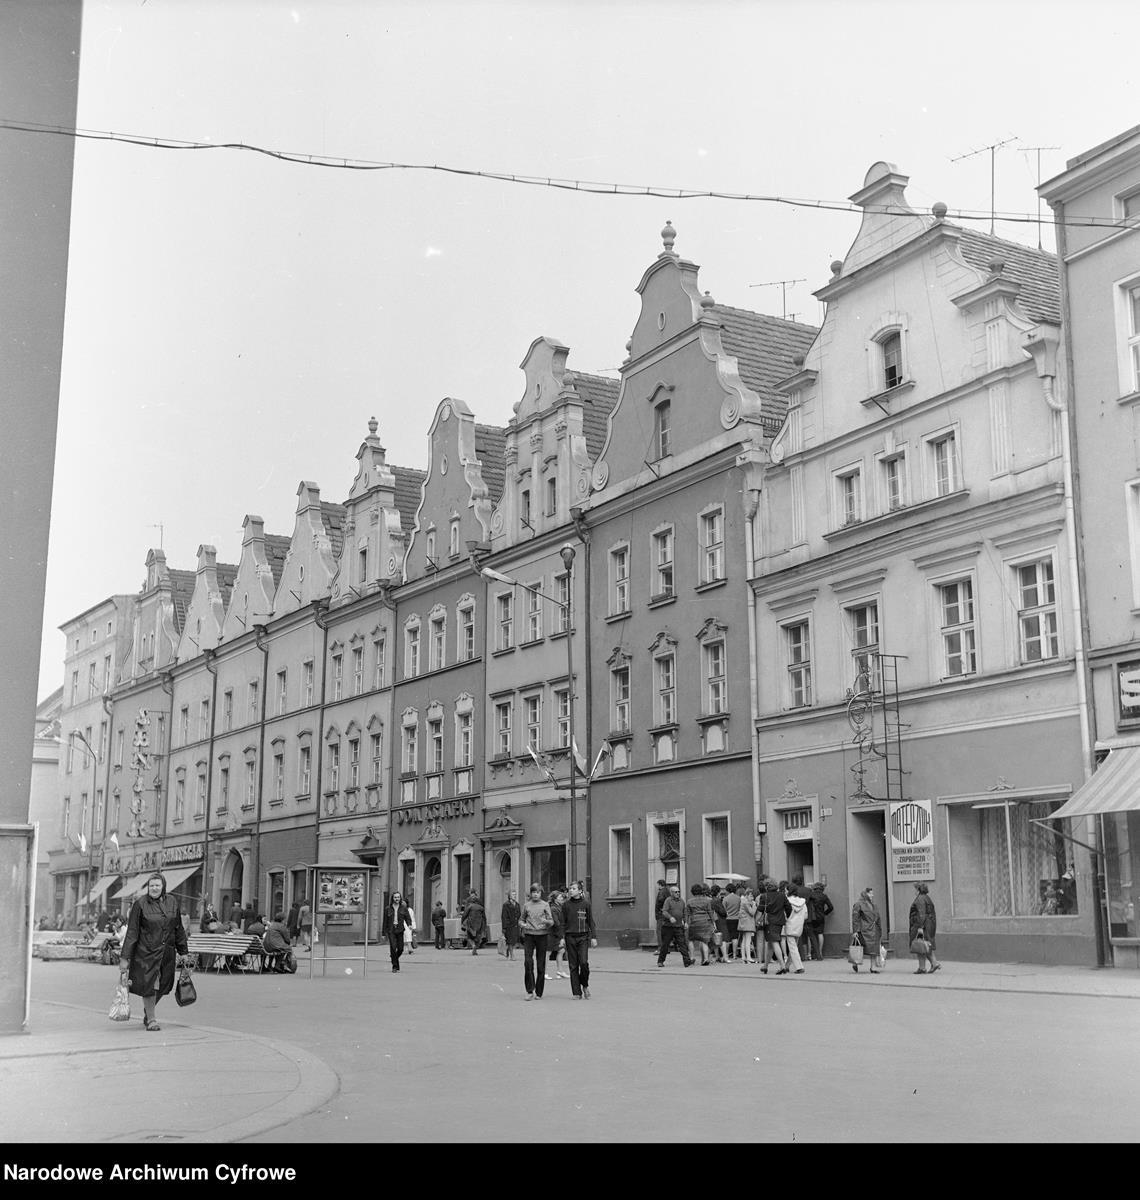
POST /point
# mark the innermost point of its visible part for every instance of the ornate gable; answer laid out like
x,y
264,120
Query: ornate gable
x,y
309,565
251,600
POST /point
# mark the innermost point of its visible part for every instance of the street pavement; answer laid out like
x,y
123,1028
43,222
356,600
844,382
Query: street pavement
x,y
447,1050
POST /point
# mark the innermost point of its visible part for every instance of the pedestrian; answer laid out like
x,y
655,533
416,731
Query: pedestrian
x,y
438,916
475,921
701,921
924,924
819,908
277,943
731,901
396,919
410,928
720,917
256,927
294,921
209,922
556,940
579,935
510,917
794,927
154,945
663,891
867,926
305,923
673,928
776,910
537,920
746,926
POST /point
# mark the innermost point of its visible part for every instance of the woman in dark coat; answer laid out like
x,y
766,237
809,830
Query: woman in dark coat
x,y
776,910
475,921
511,914
154,945
867,926
293,924
701,920
924,923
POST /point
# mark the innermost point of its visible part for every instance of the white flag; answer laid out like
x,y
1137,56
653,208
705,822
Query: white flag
x,y
579,761
114,840
82,842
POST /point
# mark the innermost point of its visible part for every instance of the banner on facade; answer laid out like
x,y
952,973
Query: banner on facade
x,y
912,840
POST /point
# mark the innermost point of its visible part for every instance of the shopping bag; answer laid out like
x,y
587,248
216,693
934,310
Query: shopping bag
x,y
121,1004
289,962
855,951
184,991
502,946
882,954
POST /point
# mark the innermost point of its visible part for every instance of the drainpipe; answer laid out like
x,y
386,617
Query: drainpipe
x,y
320,618
259,632
751,460
212,667
583,532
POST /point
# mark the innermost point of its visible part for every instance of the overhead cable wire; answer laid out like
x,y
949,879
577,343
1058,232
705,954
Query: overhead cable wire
x,y
586,186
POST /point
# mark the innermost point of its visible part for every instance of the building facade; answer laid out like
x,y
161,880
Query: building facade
x,y
43,804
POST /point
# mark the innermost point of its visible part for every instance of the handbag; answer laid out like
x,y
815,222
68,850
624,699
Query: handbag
x,y
855,950
184,991
121,1004
289,962
920,946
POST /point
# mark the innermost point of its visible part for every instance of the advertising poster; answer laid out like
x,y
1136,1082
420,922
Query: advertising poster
x,y
341,892
912,840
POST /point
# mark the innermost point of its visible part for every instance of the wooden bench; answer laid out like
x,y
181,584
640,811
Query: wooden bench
x,y
242,950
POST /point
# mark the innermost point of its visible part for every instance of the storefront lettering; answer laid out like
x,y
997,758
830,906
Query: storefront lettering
x,y
445,811
154,860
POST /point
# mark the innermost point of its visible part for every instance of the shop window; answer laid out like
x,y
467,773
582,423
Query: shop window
x,y
548,867
718,859
621,860
276,893
1122,873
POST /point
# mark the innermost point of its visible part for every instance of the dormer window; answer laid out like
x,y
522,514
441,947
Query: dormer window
x,y
524,506
890,347
453,548
431,547
552,496
662,430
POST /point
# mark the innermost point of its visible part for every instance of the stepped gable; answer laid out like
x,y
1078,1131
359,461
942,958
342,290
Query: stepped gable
x,y
491,449
181,590
276,547
599,398
332,515
1035,270
765,349
409,484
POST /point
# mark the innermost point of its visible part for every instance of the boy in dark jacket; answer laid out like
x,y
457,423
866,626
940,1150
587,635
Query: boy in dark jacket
x,y
580,934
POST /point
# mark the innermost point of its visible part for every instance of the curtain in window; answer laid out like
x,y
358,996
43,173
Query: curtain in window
x,y
995,863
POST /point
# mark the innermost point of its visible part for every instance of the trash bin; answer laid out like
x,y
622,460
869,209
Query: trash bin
x,y
628,939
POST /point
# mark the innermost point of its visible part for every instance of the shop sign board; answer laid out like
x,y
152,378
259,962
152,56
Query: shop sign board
x,y
1128,691
341,892
911,825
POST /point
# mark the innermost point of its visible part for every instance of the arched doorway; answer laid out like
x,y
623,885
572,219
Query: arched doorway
x,y
230,880
499,884
432,891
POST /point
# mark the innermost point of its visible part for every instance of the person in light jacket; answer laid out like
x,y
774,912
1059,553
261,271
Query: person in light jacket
x,y
537,921
794,929
867,926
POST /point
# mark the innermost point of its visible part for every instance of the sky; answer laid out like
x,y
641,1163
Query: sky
x,y
233,320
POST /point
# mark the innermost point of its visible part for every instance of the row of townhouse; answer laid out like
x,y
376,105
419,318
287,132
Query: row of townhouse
x,y
777,599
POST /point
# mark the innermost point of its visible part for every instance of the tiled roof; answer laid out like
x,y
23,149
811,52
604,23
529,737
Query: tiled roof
x,y
599,396
333,516
182,588
1035,270
764,348
276,547
409,485
227,573
491,448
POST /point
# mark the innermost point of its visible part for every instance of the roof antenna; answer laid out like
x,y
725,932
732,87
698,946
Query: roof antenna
x,y
1029,150
993,149
159,528
783,285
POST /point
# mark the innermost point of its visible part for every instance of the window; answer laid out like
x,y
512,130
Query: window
x,y
279,776
376,753
250,784
619,580
662,430
162,733
183,726
412,651
436,651
102,756
227,710
663,563
354,762
98,826
337,675
362,565
548,867
65,825
863,634
1132,328
464,749
203,718
70,755
120,742
797,644
307,695
379,653
505,608
305,771
943,464
282,692
849,497
533,612
524,507
411,749
718,860
74,688
357,670
254,688
435,745
1037,611
891,350
619,689
467,632
532,717
552,496
562,595
956,605
116,810
712,546
666,699
92,685
562,717
1004,865
223,789
429,549
716,681
453,544
503,729
107,673
621,860
894,482
179,798
333,780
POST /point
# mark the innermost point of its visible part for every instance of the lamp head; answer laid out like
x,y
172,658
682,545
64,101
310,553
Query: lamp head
x,y
567,552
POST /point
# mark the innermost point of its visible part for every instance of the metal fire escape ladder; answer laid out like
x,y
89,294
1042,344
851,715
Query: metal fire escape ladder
x,y
892,726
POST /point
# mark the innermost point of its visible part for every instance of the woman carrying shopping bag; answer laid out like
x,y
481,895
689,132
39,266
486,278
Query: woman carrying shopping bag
x,y
867,926
155,943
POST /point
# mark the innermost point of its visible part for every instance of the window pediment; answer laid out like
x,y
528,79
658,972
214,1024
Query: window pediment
x,y
712,630
663,641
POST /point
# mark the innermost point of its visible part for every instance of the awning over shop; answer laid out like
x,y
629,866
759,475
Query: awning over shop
x,y
176,876
100,888
1114,788
131,885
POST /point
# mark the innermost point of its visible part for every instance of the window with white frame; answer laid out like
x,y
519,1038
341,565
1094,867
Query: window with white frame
x,y
893,477
203,720
665,669
863,638
250,784
662,430
227,710
890,350
464,743
712,546
200,795
435,744
304,771
524,508
307,676
333,781
337,675
532,719
467,632
379,665
797,655
944,473
279,775
354,762
107,673
429,548
161,740
362,565
412,650
562,595
663,563
120,742
503,729
1131,334
718,858
92,684
716,678
849,495
453,539
561,717
376,756
179,801
621,860
183,728
282,692
956,611
533,611
357,670
254,693
504,620
438,636
620,697
411,748
552,496
1037,611
619,580
223,789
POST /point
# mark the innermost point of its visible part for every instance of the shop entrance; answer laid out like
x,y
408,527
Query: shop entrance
x,y
801,860
433,891
498,884
867,858
230,881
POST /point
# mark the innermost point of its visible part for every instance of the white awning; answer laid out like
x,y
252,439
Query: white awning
x,y
178,875
131,885
100,888
1115,787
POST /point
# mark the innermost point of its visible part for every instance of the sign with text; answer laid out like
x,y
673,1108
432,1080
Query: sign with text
x,y
912,840
1128,691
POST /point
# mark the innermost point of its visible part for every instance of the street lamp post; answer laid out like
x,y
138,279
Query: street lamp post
x,y
94,793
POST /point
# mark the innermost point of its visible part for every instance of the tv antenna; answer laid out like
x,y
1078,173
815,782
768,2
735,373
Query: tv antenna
x,y
783,285
1029,150
160,529
993,149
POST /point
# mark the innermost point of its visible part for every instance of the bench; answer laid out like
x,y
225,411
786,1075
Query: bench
x,y
244,951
